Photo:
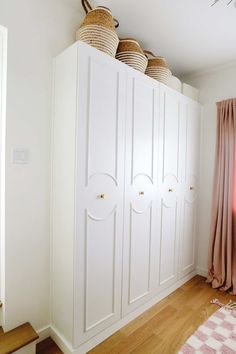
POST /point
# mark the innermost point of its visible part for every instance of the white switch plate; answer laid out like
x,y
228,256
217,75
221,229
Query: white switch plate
x,y
20,156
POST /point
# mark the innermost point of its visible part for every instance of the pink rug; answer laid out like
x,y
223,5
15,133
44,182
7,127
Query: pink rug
x,y
216,335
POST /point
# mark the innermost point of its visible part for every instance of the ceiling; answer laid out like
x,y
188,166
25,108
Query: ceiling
x,y
191,35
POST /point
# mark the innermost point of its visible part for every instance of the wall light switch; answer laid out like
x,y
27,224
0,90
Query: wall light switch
x,y
20,156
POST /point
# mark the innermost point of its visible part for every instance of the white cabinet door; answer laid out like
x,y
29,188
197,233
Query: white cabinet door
x,y
140,231
170,184
100,190
188,232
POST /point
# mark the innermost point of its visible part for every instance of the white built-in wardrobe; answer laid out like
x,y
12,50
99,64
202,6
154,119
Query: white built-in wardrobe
x,y
124,200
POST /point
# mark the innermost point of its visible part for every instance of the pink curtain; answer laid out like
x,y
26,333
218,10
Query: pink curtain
x,y
222,248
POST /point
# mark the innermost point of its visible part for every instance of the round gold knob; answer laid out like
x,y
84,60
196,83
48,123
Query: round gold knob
x,y
171,190
103,196
141,193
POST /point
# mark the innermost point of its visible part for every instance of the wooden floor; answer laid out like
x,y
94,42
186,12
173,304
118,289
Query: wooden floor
x,y
48,347
166,326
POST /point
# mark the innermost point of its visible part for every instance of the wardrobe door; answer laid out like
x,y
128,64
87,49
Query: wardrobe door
x,y
100,190
169,179
140,227
191,166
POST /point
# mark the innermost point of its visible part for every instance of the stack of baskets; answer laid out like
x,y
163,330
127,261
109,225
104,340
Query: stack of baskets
x,y
99,29
130,53
158,69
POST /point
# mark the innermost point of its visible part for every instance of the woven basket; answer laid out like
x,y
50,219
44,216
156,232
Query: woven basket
x,y
99,29
130,53
157,68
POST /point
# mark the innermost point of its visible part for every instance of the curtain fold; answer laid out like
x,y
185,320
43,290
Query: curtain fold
x,y
222,247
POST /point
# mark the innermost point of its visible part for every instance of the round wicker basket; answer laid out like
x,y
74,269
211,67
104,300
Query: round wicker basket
x,y
157,68
98,29
130,53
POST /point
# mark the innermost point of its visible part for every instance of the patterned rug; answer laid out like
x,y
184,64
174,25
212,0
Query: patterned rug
x,y
216,335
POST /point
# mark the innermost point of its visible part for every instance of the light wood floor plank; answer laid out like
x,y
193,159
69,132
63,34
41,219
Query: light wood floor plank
x,y
166,326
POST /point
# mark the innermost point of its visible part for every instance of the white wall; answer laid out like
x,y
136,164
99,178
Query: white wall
x,y
38,30
215,85
3,74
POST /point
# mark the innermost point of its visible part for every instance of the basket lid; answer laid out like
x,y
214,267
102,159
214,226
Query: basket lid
x,y
102,8
157,61
129,45
132,40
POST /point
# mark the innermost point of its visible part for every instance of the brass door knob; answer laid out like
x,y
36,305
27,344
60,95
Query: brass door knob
x,y
171,190
141,193
103,196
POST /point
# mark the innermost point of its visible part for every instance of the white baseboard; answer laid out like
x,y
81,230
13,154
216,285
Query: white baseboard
x,y
44,333
201,271
61,341
50,331
84,348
